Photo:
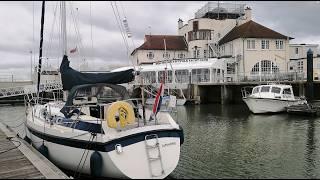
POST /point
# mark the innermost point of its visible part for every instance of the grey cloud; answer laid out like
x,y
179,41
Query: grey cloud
x,y
296,19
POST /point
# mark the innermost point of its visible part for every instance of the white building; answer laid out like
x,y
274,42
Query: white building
x,y
298,59
226,30
157,48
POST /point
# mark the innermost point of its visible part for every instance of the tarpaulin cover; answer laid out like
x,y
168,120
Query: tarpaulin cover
x,y
71,77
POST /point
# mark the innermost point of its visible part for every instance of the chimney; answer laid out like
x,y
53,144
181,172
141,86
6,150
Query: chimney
x,y
180,23
247,13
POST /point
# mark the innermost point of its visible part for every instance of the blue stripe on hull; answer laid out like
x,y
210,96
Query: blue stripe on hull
x,y
107,146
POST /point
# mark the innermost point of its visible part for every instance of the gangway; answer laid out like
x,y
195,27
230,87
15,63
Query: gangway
x,y
29,89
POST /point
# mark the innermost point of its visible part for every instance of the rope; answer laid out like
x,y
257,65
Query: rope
x,y
119,26
76,28
86,150
10,139
51,32
90,143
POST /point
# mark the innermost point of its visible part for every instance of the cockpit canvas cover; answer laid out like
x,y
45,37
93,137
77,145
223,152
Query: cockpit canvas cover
x,y
71,77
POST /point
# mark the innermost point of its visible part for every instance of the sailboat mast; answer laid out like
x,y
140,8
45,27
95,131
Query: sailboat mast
x,y
63,37
63,27
41,43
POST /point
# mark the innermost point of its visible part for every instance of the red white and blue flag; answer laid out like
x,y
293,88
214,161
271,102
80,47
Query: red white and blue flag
x,y
158,100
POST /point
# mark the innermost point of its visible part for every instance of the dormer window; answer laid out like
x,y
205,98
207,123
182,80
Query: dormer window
x,y
150,55
166,55
181,55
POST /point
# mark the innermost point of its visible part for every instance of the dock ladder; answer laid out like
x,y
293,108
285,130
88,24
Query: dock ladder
x,y
152,145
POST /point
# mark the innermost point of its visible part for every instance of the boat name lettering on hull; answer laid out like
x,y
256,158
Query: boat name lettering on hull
x,y
168,144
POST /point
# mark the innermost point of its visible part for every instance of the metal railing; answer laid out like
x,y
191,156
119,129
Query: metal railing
x,y
46,113
265,77
28,89
221,8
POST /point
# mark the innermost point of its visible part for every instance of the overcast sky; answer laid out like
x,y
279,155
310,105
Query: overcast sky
x,y
102,44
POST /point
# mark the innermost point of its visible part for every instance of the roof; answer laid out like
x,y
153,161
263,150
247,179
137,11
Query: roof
x,y
156,42
189,63
251,29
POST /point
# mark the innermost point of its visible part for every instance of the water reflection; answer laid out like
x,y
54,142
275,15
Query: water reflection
x,y
230,142
310,162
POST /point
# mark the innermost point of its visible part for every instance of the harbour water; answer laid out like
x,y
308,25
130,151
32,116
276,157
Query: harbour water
x,y
227,141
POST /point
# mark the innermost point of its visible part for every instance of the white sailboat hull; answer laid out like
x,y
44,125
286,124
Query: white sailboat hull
x,y
64,149
269,105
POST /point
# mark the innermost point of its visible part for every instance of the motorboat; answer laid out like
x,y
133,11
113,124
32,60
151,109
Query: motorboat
x,y
270,98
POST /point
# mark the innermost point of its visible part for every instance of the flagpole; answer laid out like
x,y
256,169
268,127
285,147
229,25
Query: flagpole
x,y
166,69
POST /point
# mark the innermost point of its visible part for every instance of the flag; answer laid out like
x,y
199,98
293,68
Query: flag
x,y
73,50
158,100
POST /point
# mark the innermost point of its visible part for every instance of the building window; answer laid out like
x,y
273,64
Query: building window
x,y
255,69
264,67
231,68
198,53
200,75
168,76
251,44
181,55
300,66
199,35
279,44
166,55
195,25
297,50
149,77
182,76
264,44
205,53
150,55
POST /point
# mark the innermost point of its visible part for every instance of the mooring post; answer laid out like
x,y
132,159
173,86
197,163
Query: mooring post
x,y
310,75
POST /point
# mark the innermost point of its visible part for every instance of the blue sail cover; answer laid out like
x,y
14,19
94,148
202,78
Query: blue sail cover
x,y
71,77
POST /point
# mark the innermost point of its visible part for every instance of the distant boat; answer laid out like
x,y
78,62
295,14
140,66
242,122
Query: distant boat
x,y
270,98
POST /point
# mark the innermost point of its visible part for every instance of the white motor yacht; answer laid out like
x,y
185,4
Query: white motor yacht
x,y
270,98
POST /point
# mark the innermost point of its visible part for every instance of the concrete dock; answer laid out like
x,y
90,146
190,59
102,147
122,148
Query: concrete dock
x,y
19,160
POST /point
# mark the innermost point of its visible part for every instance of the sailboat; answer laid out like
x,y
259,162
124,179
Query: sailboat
x,y
98,129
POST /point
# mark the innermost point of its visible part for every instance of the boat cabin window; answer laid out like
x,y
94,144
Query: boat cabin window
x,y
276,90
101,94
255,90
265,89
287,91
